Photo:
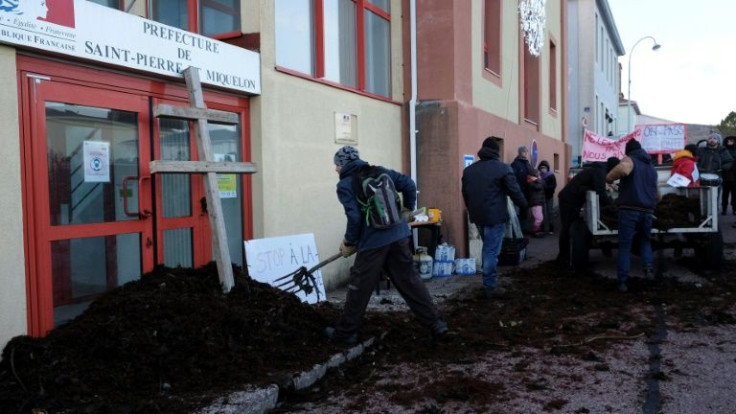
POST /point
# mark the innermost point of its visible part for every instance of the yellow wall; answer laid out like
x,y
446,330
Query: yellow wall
x,y
12,274
293,142
503,100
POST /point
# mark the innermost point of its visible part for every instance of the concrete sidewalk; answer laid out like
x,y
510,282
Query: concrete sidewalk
x,y
541,250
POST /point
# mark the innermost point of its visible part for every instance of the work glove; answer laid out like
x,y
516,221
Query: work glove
x,y
346,249
406,214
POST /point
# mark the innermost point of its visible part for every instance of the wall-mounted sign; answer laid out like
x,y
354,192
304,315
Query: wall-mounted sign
x,y
467,160
96,160
227,184
87,30
346,129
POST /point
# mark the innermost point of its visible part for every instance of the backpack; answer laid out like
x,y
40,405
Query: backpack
x,y
377,196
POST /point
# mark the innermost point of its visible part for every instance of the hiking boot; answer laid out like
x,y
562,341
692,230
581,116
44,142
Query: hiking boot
x,y
493,293
347,340
649,273
439,330
622,287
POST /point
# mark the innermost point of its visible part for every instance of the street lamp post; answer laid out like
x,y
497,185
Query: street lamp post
x,y
628,93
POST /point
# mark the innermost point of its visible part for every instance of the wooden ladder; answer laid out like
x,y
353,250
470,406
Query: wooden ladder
x,y
207,166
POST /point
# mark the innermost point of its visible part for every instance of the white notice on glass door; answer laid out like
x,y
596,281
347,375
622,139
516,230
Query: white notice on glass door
x,y
96,162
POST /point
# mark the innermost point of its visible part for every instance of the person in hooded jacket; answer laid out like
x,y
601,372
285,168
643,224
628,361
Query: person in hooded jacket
x,y
536,198
572,198
636,203
729,178
378,250
485,185
684,163
550,185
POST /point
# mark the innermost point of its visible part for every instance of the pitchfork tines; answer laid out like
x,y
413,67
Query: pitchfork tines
x,y
302,278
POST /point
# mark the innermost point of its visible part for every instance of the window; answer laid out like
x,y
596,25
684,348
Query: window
x,y
492,36
552,75
208,17
531,87
347,42
115,4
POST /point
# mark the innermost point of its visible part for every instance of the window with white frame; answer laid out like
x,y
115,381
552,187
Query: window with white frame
x,y
214,18
347,42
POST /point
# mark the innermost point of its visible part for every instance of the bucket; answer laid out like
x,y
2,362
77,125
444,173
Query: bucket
x,y
435,215
423,263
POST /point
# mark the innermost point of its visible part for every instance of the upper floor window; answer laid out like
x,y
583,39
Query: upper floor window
x,y
342,41
115,4
492,36
531,87
552,75
208,17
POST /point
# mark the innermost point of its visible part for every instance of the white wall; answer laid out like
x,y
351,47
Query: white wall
x,y
12,272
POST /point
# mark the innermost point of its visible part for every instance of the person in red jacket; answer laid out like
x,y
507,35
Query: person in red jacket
x,y
685,164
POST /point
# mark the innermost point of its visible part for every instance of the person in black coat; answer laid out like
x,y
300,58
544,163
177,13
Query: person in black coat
x,y
550,185
572,199
485,185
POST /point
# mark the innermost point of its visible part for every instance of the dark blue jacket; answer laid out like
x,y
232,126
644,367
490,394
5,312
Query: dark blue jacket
x,y
485,185
638,190
590,178
522,167
356,231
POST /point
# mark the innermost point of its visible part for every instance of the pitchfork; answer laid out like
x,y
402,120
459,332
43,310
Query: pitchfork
x,y
302,278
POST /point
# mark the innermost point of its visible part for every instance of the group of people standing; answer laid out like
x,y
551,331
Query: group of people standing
x,y
486,184
538,187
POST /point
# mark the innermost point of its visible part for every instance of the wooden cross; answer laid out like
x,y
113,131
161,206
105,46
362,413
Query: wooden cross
x,y
199,112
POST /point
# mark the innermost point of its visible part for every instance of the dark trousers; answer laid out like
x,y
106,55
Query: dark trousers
x,y
398,263
729,192
549,216
568,214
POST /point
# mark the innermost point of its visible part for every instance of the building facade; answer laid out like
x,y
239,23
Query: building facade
x,y
84,214
477,78
593,71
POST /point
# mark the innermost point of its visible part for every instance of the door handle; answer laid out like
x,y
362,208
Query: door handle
x,y
141,213
203,206
126,210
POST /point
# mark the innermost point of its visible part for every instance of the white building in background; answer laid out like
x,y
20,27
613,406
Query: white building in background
x,y
594,47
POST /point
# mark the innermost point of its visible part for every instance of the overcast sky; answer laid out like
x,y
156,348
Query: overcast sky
x,y
692,77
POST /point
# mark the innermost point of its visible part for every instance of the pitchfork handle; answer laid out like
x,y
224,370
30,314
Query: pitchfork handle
x,y
324,262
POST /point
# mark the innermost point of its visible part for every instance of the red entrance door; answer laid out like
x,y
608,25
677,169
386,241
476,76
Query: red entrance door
x,y
87,161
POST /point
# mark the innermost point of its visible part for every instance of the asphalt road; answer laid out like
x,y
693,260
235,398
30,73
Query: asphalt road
x,y
676,371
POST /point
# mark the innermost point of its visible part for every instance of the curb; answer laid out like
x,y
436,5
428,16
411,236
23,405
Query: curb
x,y
255,400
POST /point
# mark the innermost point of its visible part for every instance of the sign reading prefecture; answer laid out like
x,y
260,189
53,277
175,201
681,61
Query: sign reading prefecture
x,y
87,30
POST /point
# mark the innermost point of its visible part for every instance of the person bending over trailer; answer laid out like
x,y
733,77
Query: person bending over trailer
x,y
572,199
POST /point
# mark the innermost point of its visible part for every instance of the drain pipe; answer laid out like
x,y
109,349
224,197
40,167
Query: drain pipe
x,y
413,99
413,103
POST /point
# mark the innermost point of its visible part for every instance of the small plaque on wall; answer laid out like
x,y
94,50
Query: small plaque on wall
x,y
346,128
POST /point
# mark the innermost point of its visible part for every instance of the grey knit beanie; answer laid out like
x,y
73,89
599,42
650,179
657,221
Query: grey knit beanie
x,y
346,154
523,149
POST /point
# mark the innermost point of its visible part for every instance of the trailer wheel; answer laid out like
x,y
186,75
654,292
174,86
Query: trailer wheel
x,y
711,252
579,244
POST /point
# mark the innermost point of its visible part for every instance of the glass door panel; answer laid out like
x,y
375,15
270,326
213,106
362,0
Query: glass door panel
x,y
87,267
91,194
226,147
175,144
91,152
